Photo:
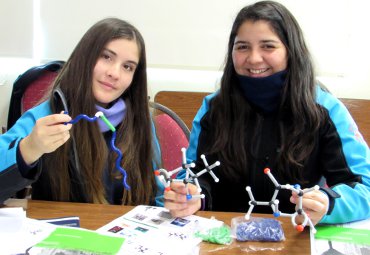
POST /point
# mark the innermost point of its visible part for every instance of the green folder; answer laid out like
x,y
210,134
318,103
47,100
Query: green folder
x,y
74,239
343,234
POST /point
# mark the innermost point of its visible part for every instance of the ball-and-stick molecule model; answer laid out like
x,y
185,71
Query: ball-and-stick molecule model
x,y
112,142
166,176
274,203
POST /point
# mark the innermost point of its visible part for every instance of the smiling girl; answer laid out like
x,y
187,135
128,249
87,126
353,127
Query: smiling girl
x,y
106,72
271,113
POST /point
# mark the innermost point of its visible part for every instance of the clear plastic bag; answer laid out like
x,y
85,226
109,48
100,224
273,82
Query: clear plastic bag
x,y
217,235
257,229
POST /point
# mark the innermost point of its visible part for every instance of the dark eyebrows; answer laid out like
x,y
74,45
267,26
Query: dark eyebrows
x,y
110,51
106,50
132,62
263,41
240,42
115,54
270,41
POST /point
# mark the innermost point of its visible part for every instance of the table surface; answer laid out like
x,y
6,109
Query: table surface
x,y
94,216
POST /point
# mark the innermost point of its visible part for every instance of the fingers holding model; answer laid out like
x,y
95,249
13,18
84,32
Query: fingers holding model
x,y
175,200
315,204
48,134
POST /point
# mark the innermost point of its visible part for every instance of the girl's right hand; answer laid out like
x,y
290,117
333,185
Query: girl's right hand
x,y
48,134
176,202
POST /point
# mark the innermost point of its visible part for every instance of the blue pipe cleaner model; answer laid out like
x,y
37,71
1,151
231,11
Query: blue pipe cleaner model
x,y
112,142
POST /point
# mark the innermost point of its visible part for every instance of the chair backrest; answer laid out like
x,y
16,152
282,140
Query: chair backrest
x,y
186,105
172,134
360,111
30,87
36,90
28,90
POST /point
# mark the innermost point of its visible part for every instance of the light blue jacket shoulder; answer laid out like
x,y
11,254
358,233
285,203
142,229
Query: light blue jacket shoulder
x,y
354,203
191,153
23,127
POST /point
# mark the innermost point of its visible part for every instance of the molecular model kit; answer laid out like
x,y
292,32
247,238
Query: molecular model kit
x,y
274,203
166,177
100,115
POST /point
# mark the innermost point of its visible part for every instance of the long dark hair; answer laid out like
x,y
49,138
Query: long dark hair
x,y
232,114
134,136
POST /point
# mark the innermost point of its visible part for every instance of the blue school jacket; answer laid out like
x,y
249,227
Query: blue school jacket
x,y
11,178
340,155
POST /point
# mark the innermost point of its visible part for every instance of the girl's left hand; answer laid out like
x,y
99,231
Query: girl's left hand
x,y
315,203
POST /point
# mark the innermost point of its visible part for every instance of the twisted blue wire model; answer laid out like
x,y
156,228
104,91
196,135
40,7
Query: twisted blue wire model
x,y
112,142
83,116
118,160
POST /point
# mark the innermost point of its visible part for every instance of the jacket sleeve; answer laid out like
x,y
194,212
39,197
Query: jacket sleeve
x,y
159,200
346,164
193,153
11,178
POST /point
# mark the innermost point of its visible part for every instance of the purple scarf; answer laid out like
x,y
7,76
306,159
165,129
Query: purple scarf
x,y
114,114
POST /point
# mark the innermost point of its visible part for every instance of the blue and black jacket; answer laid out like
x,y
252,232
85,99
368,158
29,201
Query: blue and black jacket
x,y
15,175
340,155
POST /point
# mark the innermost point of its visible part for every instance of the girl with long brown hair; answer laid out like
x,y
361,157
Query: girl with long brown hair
x,y
271,113
106,72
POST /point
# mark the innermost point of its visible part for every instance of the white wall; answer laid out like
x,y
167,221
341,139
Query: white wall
x,y
16,26
186,40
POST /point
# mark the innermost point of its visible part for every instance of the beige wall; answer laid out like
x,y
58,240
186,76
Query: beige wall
x,y
185,40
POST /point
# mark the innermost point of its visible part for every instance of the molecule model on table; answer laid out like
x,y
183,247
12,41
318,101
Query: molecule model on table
x,y
112,142
274,203
166,176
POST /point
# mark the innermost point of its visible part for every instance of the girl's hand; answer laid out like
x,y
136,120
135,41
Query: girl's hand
x,y
315,203
48,134
175,200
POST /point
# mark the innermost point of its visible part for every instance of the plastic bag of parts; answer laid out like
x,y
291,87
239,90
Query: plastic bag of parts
x,y
217,235
257,229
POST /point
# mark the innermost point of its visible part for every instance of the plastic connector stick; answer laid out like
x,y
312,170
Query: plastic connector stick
x,y
108,123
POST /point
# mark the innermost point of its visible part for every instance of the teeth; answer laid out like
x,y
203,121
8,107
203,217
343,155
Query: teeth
x,y
257,71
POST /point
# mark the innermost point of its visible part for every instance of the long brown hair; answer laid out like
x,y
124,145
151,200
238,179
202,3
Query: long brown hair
x,y
134,135
232,114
